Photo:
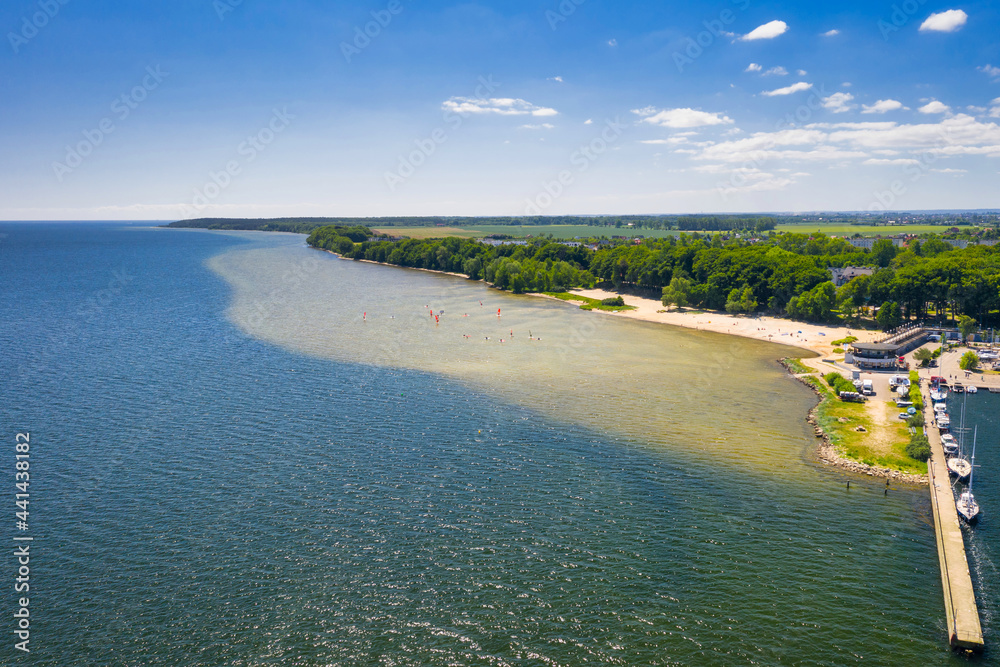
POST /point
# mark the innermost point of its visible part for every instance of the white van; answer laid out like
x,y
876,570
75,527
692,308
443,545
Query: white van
x,y
867,388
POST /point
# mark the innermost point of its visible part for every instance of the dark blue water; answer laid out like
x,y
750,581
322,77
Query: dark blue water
x,y
983,542
199,497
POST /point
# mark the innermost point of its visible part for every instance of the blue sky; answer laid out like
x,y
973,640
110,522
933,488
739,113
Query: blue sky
x,y
190,108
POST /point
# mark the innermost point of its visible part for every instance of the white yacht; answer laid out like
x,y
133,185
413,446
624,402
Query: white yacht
x,y
967,506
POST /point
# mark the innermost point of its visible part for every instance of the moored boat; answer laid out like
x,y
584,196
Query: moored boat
x,y
966,504
959,467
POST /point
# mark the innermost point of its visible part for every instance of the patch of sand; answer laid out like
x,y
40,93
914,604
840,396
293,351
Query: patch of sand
x,y
817,338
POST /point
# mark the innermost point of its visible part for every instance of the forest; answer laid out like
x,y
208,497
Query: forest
x,y
781,273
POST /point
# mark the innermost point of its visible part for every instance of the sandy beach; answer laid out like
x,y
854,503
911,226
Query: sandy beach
x,y
813,337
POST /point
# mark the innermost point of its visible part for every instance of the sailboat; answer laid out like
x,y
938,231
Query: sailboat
x,y
957,465
966,504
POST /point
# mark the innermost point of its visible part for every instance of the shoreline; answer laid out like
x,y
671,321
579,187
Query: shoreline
x,y
809,337
827,453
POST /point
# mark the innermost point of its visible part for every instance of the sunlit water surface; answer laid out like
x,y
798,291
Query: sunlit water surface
x,y
249,452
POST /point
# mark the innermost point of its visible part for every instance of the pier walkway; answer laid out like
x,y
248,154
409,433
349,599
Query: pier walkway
x,y
964,630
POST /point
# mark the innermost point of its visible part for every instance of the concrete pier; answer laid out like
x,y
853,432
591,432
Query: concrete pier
x,y
964,630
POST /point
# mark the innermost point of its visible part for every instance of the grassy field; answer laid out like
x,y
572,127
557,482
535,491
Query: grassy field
x,y
797,367
521,231
882,445
586,231
586,302
427,232
840,229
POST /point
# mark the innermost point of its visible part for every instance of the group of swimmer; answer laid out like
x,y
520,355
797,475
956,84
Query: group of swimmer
x,y
437,320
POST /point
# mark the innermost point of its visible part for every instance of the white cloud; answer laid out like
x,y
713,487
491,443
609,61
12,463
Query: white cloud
x,y
974,109
557,79
949,170
995,108
766,31
882,106
898,161
866,125
542,126
788,90
672,141
934,107
612,42
753,67
589,121
801,72
503,106
990,70
682,118
946,21
831,33
839,102
842,143
776,71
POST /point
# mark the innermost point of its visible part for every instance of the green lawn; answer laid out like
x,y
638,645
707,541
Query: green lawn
x,y
587,302
840,420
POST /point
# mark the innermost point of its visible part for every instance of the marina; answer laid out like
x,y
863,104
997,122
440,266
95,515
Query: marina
x,y
961,610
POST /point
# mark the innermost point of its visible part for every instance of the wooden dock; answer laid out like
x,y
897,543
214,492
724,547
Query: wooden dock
x,y
964,630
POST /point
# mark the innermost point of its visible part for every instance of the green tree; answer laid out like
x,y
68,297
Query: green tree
x,y
344,245
918,448
677,293
473,267
816,304
889,316
883,252
923,355
733,301
969,361
748,304
966,326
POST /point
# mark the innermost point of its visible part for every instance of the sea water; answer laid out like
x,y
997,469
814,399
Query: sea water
x,y
248,452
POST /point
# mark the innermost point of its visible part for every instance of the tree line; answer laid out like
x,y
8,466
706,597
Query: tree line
x,y
782,274
307,225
